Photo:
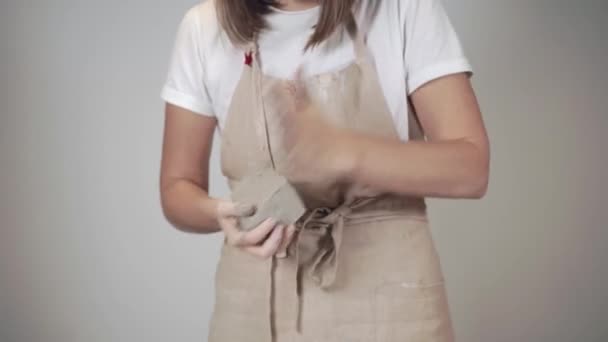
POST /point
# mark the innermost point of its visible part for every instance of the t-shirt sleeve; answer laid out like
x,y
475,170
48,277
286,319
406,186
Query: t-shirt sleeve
x,y
432,48
184,84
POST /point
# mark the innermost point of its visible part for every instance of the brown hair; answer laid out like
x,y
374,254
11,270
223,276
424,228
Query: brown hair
x,y
243,19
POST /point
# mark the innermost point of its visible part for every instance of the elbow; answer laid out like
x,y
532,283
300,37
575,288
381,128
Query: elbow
x,y
475,184
171,215
167,210
471,188
475,176
473,180
478,188
170,210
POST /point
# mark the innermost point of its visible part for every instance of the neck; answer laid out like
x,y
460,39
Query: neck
x,y
298,5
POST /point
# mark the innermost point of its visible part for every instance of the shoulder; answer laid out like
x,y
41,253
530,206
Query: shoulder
x,y
388,17
399,11
201,21
389,9
201,31
203,11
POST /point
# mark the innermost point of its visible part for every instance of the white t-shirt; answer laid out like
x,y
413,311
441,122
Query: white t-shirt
x,y
411,41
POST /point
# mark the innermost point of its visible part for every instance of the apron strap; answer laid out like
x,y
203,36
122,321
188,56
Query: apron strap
x,y
358,29
359,32
253,56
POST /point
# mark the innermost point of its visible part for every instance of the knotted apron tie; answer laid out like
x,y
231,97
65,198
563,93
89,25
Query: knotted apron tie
x,y
323,226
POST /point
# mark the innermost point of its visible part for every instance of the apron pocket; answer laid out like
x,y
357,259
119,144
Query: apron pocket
x,y
406,301
406,311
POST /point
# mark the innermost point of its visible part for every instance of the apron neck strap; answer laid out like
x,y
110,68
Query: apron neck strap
x,y
252,58
362,19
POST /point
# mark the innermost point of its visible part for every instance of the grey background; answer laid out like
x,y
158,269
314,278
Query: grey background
x,y
86,255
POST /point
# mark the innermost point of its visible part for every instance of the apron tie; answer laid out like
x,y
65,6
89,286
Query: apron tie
x,y
322,227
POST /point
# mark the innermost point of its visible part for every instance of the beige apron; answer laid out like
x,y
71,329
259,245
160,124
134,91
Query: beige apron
x,y
361,267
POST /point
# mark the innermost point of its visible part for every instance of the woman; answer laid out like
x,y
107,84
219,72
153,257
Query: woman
x,y
366,108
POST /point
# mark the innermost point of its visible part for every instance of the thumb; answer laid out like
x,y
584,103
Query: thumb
x,y
235,209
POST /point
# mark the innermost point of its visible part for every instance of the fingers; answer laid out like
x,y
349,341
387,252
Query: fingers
x,y
270,246
259,233
239,238
264,241
287,238
235,209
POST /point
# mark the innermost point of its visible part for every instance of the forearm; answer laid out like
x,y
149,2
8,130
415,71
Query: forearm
x,y
450,169
188,207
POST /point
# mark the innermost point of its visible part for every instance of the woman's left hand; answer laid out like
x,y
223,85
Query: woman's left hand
x,y
316,151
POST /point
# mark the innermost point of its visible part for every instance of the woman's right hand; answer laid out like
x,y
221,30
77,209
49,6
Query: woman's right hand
x,y
267,239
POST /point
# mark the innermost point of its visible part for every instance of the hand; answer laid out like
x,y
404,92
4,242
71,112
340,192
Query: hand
x,y
267,239
316,151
